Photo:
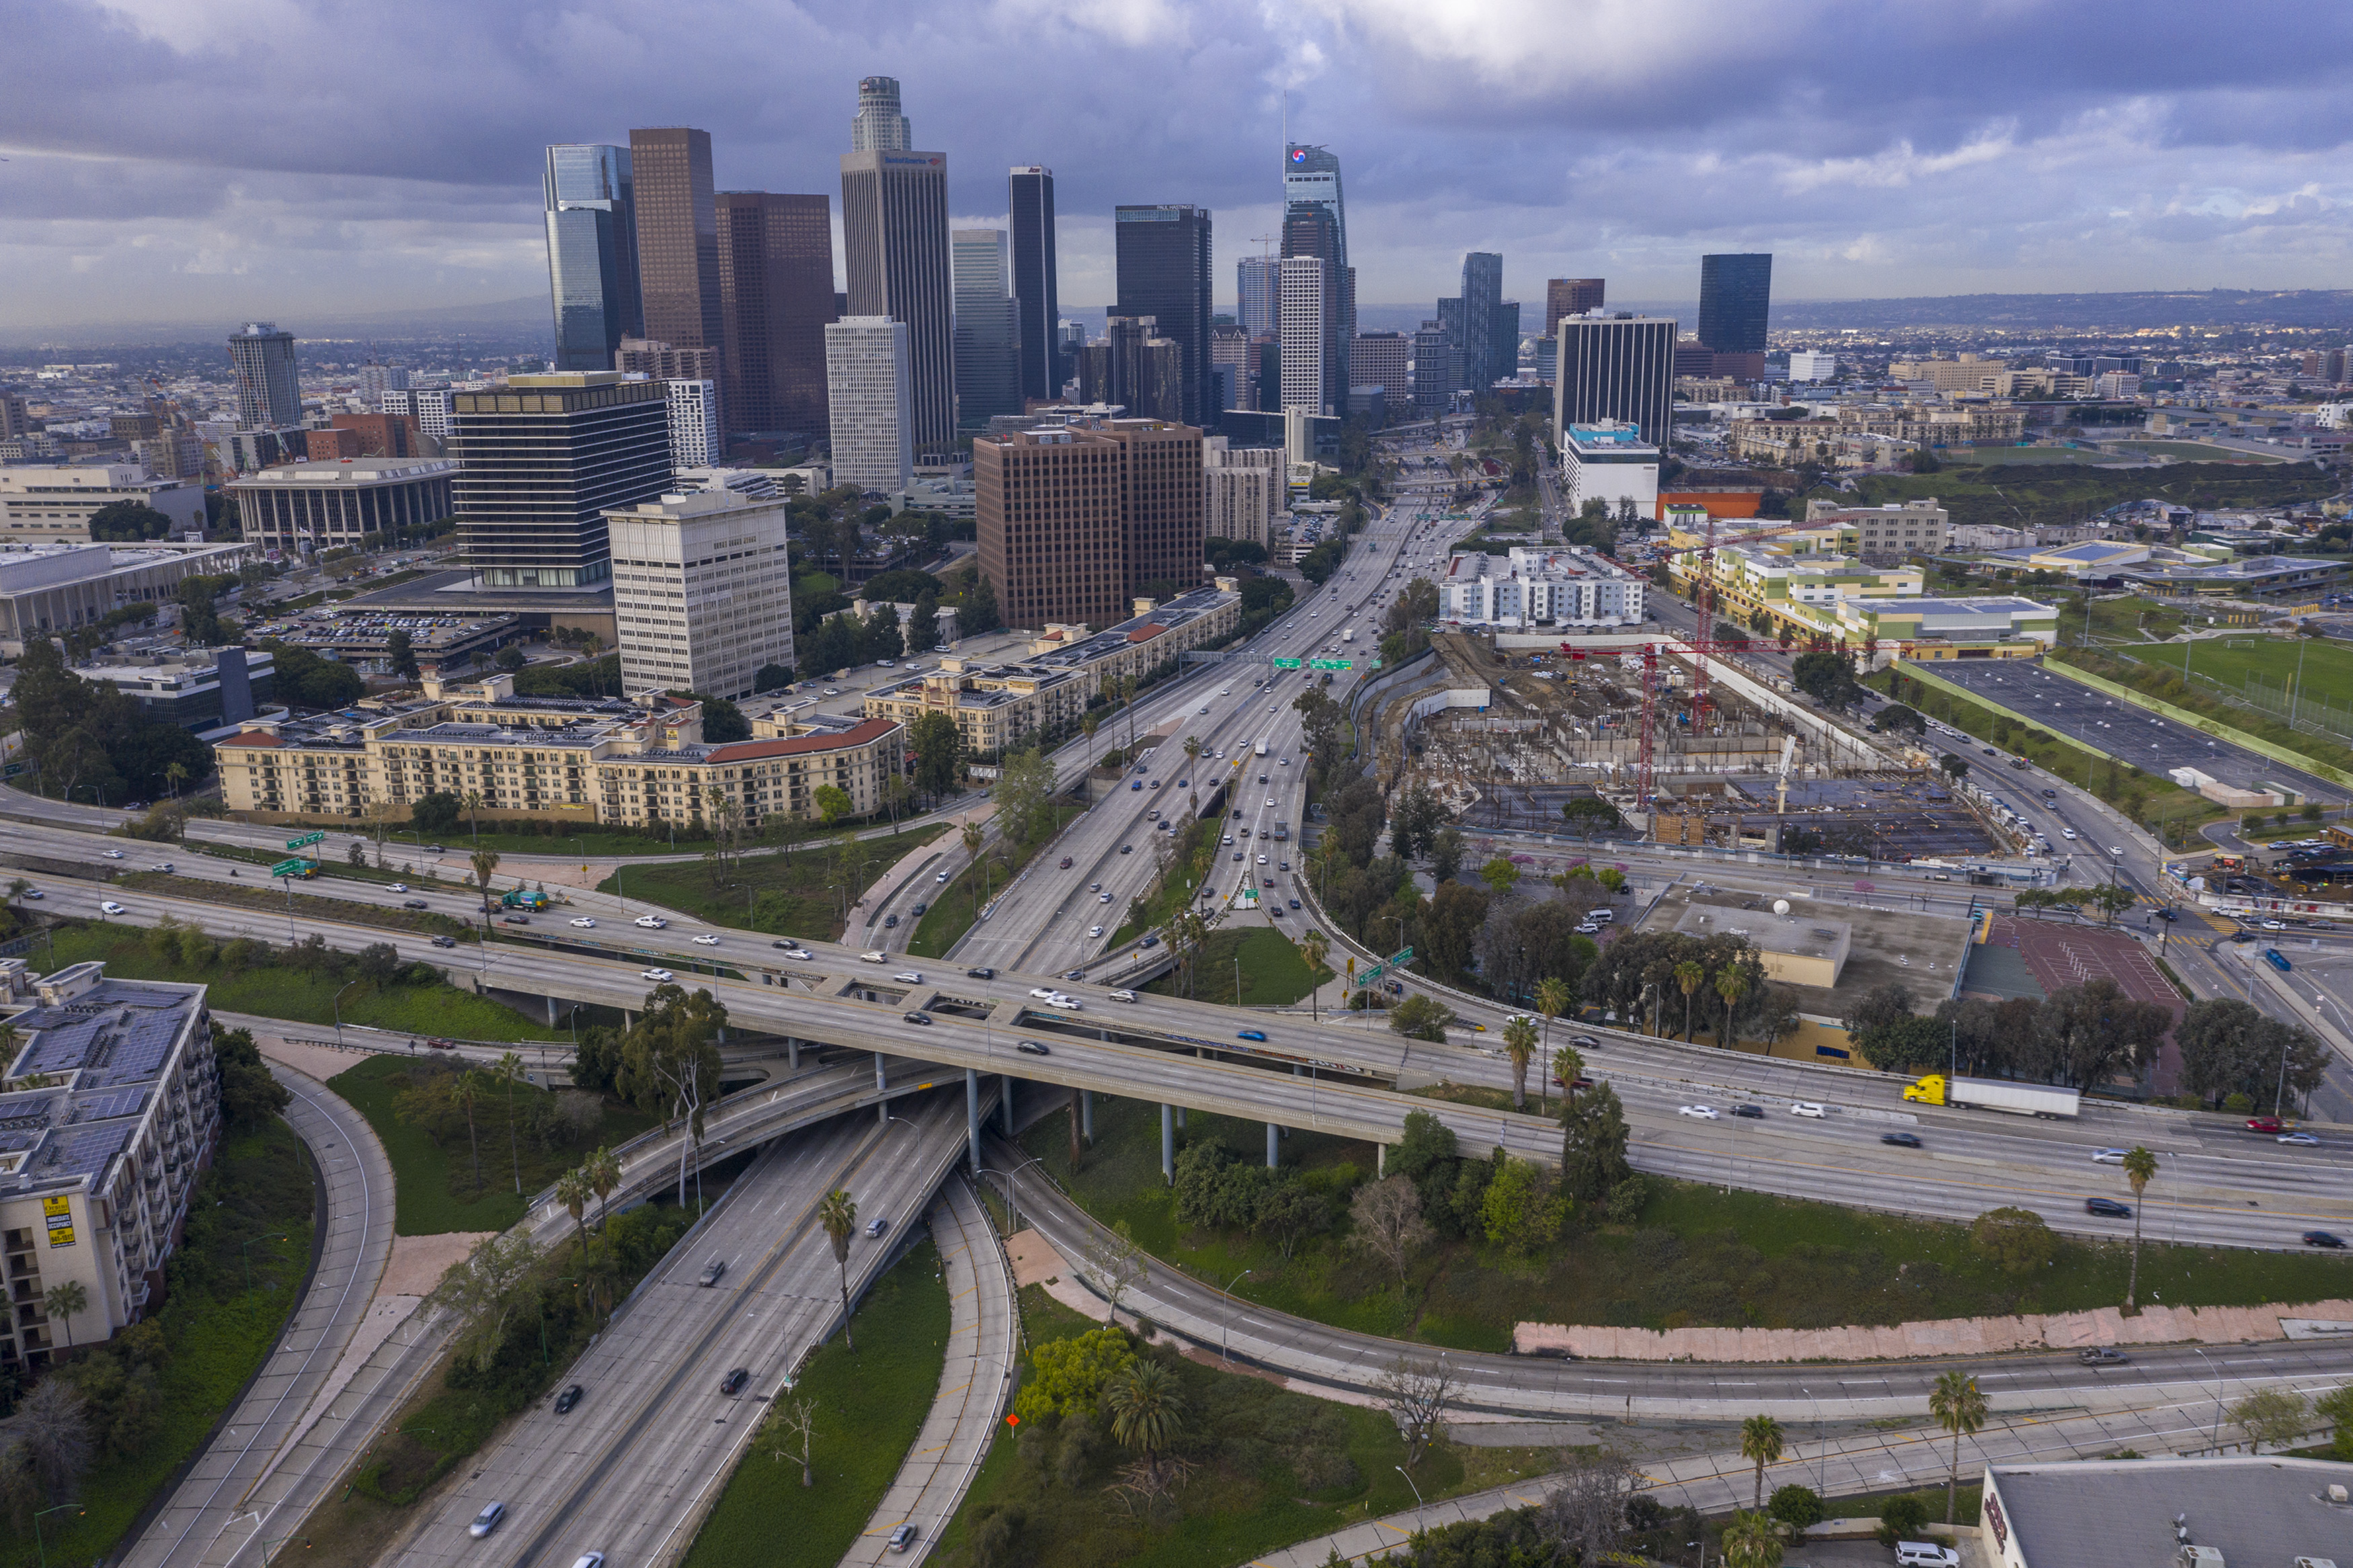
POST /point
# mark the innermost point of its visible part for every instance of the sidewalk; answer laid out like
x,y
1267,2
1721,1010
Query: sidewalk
x,y
974,1384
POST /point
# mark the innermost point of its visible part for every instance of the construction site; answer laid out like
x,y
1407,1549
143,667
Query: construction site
x,y
1511,736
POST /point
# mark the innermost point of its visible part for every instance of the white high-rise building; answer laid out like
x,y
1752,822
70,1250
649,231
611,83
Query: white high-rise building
x,y
377,379
430,405
702,591
866,380
1807,365
694,439
1304,303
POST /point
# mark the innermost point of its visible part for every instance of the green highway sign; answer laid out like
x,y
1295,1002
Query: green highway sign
x,y
1286,664
293,867
306,840
1381,967
1330,664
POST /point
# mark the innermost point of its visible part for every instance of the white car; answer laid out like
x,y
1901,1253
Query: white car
x,y
1806,1108
114,854
910,976
872,958
1042,994
1103,898
2107,1156
1282,762
1094,930
1705,1113
651,922
658,976
1270,803
111,907
584,923
399,887
706,940
1067,1003
800,953
1261,859
833,691
1122,995
1925,1554
939,877
2066,833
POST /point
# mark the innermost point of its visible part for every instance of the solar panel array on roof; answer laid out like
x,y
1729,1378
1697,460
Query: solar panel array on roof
x,y
84,1153
108,1106
136,1051
22,1115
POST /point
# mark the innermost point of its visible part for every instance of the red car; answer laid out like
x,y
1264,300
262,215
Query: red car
x,y
1066,862
2265,1124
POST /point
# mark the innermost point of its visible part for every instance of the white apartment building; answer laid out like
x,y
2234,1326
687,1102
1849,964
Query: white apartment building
x,y
1243,490
1611,462
44,504
694,439
430,405
1567,587
1905,528
1805,364
866,378
1303,305
702,591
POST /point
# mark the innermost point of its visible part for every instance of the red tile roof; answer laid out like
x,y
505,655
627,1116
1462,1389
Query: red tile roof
x,y
1147,632
253,738
865,734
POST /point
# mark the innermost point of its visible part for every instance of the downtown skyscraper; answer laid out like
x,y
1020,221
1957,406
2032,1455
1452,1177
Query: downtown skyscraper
x,y
1735,296
592,252
894,226
678,237
1483,299
775,296
987,329
1029,201
268,394
1315,225
1162,254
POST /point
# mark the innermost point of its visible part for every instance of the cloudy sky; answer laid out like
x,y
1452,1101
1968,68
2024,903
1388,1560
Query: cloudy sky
x,y
191,160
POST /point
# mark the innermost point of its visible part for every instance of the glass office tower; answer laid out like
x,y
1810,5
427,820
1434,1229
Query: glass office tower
x,y
592,253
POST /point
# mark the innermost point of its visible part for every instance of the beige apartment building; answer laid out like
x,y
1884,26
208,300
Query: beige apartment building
x,y
1912,526
640,762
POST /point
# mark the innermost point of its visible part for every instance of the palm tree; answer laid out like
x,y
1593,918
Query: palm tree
x,y
1147,1413
839,1214
1553,998
1749,1541
465,1091
65,1302
485,861
1519,1044
603,1170
571,1190
1761,1441
509,1070
1689,975
1568,1065
1958,1406
173,771
1317,947
17,888
474,805
2140,1169
1732,984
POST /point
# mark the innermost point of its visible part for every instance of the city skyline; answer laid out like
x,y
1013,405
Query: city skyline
x,y
2098,164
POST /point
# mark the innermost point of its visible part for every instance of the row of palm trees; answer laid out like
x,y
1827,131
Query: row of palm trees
x,y
594,1177
1956,1403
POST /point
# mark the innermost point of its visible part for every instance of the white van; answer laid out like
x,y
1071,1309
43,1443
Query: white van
x,y
1602,916
1925,1554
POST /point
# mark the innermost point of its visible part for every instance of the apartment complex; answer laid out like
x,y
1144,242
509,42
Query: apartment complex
x,y
1243,490
112,1107
1573,586
42,505
350,503
702,591
1076,519
1787,443
268,394
1610,463
1905,528
602,760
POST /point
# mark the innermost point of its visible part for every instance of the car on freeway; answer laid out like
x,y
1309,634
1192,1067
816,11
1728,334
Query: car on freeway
x,y
583,923
1149,941
658,976
114,854
801,953
2301,1140
435,850
1066,863
514,920
444,941
487,1520
1257,1034
2107,1208
732,1384
877,1225
923,1018
567,1399
1261,859
1066,1003
1105,898
1585,1042
2265,1124
1901,1140
1127,848
2107,1156
910,976
902,1536
1749,1113
1122,995
1237,854
35,893
651,922
2102,1355
1705,1113
874,956
1043,994
983,973
414,904
706,940
1094,930
2322,1238
1807,1108
1032,1049
397,887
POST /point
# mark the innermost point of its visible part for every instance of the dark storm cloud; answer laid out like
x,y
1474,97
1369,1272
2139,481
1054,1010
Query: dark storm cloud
x,y
223,154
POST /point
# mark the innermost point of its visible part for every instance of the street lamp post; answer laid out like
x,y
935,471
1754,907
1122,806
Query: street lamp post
x,y
245,1257
2215,1438
37,1545
1224,1327
338,1005
1411,1482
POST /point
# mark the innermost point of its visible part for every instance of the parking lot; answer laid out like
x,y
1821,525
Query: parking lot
x,y
2117,729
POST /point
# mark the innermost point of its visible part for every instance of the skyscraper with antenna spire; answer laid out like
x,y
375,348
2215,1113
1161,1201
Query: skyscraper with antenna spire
x,y
1315,225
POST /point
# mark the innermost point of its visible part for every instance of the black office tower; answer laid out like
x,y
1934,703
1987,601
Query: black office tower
x,y
1163,256
1030,203
1736,295
1616,367
1483,294
542,460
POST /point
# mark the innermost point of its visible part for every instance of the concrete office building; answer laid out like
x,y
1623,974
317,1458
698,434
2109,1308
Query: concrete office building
x,y
1310,189
1030,207
1616,367
1076,520
104,1155
44,504
878,126
542,460
1310,231
1257,285
202,689
592,253
678,237
702,591
268,393
1233,362
1736,298
377,378
695,437
1570,297
1306,311
350,503
1383,359
1161,254
1243,490
51,589
659,360
1807,365
428,405
987,328
1612,464
1437,373
871,404
895,224
775,296
1133,368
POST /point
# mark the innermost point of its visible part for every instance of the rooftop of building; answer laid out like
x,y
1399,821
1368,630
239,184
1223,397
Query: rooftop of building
x,y
1612,435
1988,605
345,471
356,629
1887,946
1566,564
105,1042
2246,567
2091,1513
1797,935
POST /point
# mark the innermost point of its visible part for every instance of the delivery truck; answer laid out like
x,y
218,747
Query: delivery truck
x,y
1349,635
1261,748
1996,1094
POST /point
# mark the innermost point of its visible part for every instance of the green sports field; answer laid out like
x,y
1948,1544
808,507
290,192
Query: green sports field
x,y
2328,666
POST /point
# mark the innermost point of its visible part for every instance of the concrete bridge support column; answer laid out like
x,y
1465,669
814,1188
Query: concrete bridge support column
x,y
1168,1145
882,1110
1087,1115
551,1012
1273,1141
972,1119
1380,1160
1006,1095
792,1054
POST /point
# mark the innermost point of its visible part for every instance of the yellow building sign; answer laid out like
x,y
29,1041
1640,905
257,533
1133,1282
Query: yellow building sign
x,y
58,1211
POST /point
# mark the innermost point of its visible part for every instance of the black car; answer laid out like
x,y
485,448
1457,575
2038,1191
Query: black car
x,y
981,973
732,1384
1149,941
2102,1355
1032,1049
1901,1140
919,910
1127,848
1585,1042
2107,1208
514,920
916,1018
1293,902
444,941
415,904
567,1399
2323,1239
1749,1113
889,921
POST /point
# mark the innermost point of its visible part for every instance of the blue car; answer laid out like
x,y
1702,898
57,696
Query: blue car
x,y
1251,1034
